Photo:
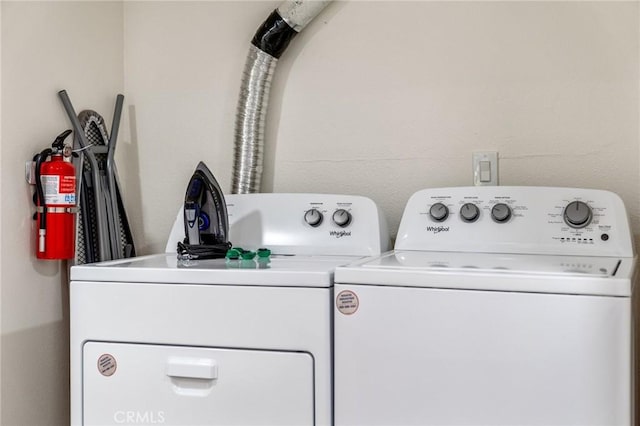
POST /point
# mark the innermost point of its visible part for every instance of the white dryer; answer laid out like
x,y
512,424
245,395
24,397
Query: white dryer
x,y
155,340
499,306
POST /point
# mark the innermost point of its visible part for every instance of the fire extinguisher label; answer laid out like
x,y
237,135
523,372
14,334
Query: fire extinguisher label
x,y
59,189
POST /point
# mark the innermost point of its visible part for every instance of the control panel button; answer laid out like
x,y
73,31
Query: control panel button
x,y
577,214
469,212
313,217
439,212
501,212
341,217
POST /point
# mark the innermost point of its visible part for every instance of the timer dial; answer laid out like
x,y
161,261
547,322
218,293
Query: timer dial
x,y
439,212
469,212
577,214
313,217
501,212
341,217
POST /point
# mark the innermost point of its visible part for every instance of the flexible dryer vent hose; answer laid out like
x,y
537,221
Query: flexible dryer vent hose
x,y
269,42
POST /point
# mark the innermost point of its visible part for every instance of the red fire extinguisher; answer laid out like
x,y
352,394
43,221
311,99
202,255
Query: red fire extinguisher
x,y
56,202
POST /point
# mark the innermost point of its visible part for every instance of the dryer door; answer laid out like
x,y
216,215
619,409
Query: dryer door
x,y
173,385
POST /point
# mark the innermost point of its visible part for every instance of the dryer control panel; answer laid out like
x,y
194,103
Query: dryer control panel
x,y
536,220
302,224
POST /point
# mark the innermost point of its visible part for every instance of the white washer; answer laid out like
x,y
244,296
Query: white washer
x,y
216,342
498,306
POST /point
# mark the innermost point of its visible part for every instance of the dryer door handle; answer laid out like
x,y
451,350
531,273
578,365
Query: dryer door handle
x,y
192,368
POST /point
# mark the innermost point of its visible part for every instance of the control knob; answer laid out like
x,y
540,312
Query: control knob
x,y
341,217
313,217
501,212
439,212
577,214
469,212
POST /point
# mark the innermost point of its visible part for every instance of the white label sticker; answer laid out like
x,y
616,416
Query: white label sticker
x,y
59,190
347,302
107,365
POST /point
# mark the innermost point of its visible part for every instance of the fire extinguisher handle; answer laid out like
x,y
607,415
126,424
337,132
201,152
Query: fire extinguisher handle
x,y
58,143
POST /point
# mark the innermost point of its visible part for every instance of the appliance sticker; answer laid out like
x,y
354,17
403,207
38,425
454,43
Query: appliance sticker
x,y
107,365
347,302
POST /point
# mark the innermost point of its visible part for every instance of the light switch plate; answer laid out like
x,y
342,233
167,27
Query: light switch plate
x,y
485,168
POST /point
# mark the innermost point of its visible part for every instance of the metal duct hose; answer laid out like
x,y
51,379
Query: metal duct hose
x,y
269,42
250,118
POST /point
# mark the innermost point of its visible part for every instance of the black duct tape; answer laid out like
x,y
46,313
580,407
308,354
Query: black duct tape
x,y
274,35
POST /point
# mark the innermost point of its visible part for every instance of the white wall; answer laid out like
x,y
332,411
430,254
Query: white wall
x,y
182,78
0,208
46,47
385,98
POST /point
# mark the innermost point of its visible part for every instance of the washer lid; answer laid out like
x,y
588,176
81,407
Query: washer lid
x,y
281,271
501,272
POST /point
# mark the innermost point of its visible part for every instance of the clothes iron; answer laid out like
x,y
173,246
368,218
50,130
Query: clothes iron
x,y
205,211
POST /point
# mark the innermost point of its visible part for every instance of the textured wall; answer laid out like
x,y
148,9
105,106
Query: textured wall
x,y
385,98
46,47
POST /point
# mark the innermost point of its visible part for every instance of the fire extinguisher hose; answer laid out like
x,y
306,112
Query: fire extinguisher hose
x,y
42,231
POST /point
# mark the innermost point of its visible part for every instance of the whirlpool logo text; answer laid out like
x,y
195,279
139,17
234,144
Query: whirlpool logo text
x,y
437,229
340,234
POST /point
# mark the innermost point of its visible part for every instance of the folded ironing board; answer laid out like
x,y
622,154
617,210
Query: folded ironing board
x,y
103,231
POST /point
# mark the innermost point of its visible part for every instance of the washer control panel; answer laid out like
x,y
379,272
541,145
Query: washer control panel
x,y
537,220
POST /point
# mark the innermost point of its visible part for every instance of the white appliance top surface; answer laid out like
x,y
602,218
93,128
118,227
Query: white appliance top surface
x,y
281,271
497,263
494,271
